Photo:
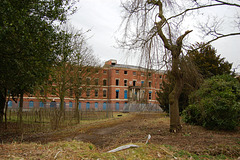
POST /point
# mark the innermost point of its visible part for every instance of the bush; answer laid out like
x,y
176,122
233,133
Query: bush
x,y
216,105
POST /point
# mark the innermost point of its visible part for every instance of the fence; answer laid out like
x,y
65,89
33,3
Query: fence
x,y
38,116
127,107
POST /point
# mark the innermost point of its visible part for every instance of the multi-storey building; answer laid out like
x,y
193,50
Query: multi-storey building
x,y
116,86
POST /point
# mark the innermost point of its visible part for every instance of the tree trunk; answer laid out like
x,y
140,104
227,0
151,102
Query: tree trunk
x,y
20,111
5,113
175,125
76,109
2,105
62,109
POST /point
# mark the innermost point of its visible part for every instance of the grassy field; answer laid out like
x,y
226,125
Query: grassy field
x,y
92,140
81,150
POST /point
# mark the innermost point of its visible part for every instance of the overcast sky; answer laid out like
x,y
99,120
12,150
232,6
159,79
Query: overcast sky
x,y
103,17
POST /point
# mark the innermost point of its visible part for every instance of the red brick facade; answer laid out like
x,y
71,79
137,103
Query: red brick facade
x,y
117,84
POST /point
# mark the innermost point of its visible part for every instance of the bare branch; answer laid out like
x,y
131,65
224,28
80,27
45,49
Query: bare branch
x,y
223,36
201,7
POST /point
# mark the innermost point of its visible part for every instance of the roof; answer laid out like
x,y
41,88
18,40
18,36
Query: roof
x,y
124,66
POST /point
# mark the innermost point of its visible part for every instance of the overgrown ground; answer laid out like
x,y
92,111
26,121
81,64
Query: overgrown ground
x,y
91,140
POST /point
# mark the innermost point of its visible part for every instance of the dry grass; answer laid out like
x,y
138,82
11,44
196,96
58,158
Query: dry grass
x,y
92,139
80,150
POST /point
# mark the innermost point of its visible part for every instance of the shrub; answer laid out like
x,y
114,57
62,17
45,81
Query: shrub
x,y
216,105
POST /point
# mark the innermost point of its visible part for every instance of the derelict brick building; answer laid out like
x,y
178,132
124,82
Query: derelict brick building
x,y
120,87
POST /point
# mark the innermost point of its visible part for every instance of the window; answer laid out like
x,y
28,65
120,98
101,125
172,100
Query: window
x,y
88,80
160,76
117,71
125,82
134,73
41,104
149,74
96,93
142,74
125,94
31,104
150,95
79,105
31,93
134,83
117,93
88,92
104,71
125,72
53,104
104,106
117,82
54,91
70,104
96,81
104,82
80,92
70,92
88,106
96,105
9,103
142,83
117,106
41,91
104,93
149,84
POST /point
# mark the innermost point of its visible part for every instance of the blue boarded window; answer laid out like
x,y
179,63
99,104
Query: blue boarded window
x,y
53,104
70,104
87,105
117,106
9,103
142,83
79,105
125,94
96,105
31,104
104,106
41,104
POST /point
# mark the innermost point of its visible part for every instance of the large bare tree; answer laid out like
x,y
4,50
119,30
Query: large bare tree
x,y
158,28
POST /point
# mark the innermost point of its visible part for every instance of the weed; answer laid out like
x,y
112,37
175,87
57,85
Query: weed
x,y
90,147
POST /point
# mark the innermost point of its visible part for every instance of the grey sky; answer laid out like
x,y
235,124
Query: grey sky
x,y
103,17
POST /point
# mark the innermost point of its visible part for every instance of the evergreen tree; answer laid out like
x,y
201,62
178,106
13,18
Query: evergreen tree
x,y
208,62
